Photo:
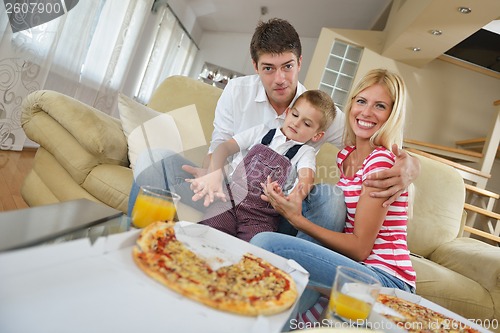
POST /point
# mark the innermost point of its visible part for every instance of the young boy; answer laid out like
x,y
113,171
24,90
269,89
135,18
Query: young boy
x,y
281,154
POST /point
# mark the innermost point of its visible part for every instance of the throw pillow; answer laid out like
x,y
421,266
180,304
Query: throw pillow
x,y
147,130
155,132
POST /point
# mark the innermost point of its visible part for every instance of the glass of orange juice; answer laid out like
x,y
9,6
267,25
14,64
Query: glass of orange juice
x,y
153,204
353,295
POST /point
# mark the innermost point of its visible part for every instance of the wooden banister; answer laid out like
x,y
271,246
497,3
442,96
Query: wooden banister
x,y
482,233
457,166
445,151
480,191
482,211
476,144
444,148
470,141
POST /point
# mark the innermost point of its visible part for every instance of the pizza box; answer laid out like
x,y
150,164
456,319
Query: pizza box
x,y
79,287
379,322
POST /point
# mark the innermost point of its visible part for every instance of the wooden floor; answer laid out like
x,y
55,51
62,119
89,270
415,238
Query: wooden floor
x,y
14,166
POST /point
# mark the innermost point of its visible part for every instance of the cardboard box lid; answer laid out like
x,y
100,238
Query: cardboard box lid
x,y
76,287
378,321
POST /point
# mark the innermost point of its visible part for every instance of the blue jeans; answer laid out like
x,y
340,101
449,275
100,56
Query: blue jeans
x,y
165,172
324,206
320,262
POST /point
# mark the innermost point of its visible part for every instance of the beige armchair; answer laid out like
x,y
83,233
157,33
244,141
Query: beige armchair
x,y
83,154
459,273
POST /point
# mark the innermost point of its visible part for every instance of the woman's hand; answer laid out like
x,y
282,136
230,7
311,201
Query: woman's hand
x,y
276,189
290,207
394,181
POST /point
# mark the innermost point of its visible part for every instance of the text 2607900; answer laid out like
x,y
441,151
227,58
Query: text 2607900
x,y
33,8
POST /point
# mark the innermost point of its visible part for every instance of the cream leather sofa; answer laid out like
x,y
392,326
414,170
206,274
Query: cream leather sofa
x,y
83,154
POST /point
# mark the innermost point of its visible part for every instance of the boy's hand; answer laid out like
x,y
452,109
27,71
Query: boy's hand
x,y
196,172
208,187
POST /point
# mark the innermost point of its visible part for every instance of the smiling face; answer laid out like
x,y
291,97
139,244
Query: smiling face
x,y
370,109
302,122
279,74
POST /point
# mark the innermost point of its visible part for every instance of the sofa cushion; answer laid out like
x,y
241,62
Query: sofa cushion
x,y
90,136
438,207
476,260
178,91
146,129
327,171
110,184
452,290
49,182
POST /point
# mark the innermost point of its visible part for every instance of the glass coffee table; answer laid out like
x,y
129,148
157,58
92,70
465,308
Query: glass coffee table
x,y
59,222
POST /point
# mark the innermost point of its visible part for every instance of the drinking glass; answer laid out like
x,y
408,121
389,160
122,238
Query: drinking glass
x,y
153,204
353,295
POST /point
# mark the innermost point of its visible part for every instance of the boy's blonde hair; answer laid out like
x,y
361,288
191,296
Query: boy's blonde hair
x,y
392,130
322,102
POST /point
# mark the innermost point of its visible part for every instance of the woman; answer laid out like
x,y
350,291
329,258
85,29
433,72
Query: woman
x,y
374,237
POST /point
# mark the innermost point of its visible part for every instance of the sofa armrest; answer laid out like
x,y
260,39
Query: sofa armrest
x,y
474,259
77,135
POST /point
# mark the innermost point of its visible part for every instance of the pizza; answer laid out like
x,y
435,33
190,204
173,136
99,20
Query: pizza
x,y
251,287
418,318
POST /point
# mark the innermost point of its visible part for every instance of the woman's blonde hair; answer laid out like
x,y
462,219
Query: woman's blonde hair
x,y
392,130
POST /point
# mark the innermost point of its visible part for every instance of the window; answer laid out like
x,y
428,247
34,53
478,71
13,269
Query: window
x,y
340,70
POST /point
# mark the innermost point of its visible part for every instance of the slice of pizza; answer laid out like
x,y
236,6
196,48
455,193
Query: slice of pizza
x,y
418,318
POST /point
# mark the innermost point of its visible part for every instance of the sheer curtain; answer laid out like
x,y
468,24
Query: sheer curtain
x,y
172,53
87,54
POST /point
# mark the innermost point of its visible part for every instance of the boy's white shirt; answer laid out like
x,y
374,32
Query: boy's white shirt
x,y
305,157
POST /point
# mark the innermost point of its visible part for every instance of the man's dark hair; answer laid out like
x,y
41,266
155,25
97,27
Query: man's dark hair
x,y
275,36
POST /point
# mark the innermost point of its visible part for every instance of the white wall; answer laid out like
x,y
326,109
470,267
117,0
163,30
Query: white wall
x,y
232,51
227,49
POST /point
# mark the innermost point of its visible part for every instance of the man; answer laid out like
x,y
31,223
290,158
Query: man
x,y
251,100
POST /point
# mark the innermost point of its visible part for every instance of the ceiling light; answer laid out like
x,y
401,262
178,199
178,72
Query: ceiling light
x,y
415,49
464,10
435,32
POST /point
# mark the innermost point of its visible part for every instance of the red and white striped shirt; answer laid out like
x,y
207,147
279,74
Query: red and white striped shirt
x,y
390,252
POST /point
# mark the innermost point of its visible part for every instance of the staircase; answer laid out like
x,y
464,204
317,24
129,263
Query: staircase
x,y
482,151
474,145
482,221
